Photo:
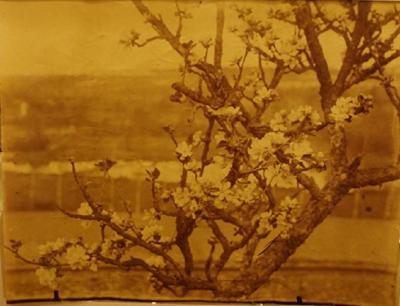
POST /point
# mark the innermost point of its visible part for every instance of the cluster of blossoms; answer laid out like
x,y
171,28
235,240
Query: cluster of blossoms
x,y
298,152
76,257
283,120
346,108
305,156
225,196
262,41
211,188
85,210
258,31
72,253
47,277
286,136
51,246
261,37
337,16
289,52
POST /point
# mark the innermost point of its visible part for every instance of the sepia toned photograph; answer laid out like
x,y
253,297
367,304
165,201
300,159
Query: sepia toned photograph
x,y
208,151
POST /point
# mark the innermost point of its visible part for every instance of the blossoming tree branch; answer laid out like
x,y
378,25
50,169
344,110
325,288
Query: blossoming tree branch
x,y
234,171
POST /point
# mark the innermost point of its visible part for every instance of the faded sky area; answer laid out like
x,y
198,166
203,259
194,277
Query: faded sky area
x,y
82,37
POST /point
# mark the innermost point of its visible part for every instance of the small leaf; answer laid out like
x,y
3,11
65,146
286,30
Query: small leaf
x,y
15,244
156,173
105,165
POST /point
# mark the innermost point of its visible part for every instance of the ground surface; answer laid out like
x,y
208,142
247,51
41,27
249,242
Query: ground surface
x,y
341,262
349,285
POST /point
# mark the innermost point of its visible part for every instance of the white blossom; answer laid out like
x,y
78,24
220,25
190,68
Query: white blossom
x,y
278,122
84,209
155,261
193,165
299,149
290,50
246,193
184,150
196,190
196,138
216,171
263,94
268,144
337,15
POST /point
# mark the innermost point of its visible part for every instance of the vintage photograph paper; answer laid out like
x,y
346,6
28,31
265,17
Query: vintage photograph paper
x,y
231,151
